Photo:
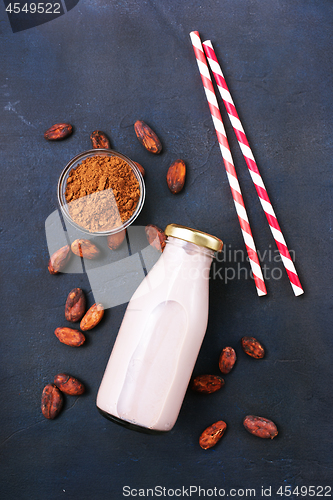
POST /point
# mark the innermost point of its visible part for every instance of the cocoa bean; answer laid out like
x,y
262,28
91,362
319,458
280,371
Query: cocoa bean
x,y
253,347
99,140
68,384
176,176
75,305
58,132
227,359
140,167
52,401
212,434
69,336
59,259
85,248
115,240
92,317
156,237
259,426
147,137
207,383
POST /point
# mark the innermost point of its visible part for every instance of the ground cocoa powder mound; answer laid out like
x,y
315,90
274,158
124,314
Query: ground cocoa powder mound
x,y
102,193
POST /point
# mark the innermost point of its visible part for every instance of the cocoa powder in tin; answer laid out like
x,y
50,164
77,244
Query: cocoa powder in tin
x,y
102,193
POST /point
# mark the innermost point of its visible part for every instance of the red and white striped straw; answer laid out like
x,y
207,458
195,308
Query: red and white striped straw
x,y
228,163
252,166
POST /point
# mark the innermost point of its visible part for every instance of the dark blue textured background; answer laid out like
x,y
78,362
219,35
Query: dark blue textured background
x,y
104,65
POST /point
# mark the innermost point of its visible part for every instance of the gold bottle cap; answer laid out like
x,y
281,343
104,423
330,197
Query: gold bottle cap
x,y
194,236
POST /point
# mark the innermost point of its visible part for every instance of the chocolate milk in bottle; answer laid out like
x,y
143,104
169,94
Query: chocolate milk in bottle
x,y
158,342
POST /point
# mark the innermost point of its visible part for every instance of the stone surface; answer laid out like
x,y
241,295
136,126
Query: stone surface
x,y
103,65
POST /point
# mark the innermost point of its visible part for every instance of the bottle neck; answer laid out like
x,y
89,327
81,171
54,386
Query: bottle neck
x,y
190,248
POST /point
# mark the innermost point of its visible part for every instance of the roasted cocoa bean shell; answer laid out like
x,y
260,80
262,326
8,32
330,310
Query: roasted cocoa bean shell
x,y
68,384
70,336
176,176
75,306
52,401
156,237
99,140
59,259
85,248
58,132
147,137
227,359
115,240
260,427
92,317
207,383
212,434
253,347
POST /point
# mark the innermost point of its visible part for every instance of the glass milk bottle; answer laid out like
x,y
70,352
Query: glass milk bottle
x,y
158,342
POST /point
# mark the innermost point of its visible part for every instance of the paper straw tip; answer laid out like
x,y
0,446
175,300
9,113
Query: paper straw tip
x,y
297,290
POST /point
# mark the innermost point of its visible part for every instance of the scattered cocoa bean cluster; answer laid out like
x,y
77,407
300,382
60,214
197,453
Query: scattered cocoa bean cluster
x,y
208,384
176,173
75,310
80,247
175,177
87,249
52,397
